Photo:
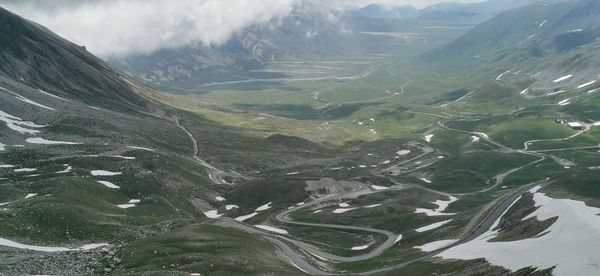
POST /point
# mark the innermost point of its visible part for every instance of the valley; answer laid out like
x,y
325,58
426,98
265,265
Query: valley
x,y
414,149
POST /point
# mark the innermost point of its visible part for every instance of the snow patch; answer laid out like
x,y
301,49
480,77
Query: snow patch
x,y
30,196
425,180
42,141
586,84
31,102
132,203
9,243
502,75
104,173
432,226
67,169
51,95
343,210
19,125
109,185
243,218
565,102
403,152
141,148
481,134
398,238
220,198
213,214
264,207
379,188
358,248
542,24
272,229
439,211
428,138
231,206
561,79
123,157
26,170
433,246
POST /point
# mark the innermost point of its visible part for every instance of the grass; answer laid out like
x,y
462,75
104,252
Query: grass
x,y
205,249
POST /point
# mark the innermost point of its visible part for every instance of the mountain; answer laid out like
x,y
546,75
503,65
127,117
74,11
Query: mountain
x,y
377,11
93,168
446,12
33,54
302,33
541,51
543,28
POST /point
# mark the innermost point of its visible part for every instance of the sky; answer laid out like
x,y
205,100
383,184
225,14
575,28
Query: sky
x,y
125,27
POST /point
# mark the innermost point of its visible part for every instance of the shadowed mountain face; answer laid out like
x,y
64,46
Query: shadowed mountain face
x,y
33,54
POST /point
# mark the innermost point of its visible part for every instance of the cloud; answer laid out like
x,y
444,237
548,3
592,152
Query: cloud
x,y
123,27
114,28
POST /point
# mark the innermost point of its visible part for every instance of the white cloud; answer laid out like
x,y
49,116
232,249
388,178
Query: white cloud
x,y
122,27
142,26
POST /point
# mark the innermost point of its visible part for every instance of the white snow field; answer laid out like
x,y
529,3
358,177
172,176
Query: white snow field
x,y
571,243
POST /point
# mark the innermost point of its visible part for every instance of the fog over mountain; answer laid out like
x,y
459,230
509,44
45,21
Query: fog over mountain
x,y
124,27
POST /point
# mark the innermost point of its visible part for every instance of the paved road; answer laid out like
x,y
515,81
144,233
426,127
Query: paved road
x,y
284,217
299,260
483,227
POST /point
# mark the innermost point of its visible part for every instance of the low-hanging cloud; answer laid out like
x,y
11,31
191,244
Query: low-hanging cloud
x,y
123,27
113,28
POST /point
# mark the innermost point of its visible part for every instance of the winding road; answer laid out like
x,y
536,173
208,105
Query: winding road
x,y
215,175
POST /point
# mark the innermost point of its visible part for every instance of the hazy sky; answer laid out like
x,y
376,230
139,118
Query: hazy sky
x,y
122,27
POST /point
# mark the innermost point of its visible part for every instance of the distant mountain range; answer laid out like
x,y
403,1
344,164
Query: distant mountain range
x,y
447,11
302,33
